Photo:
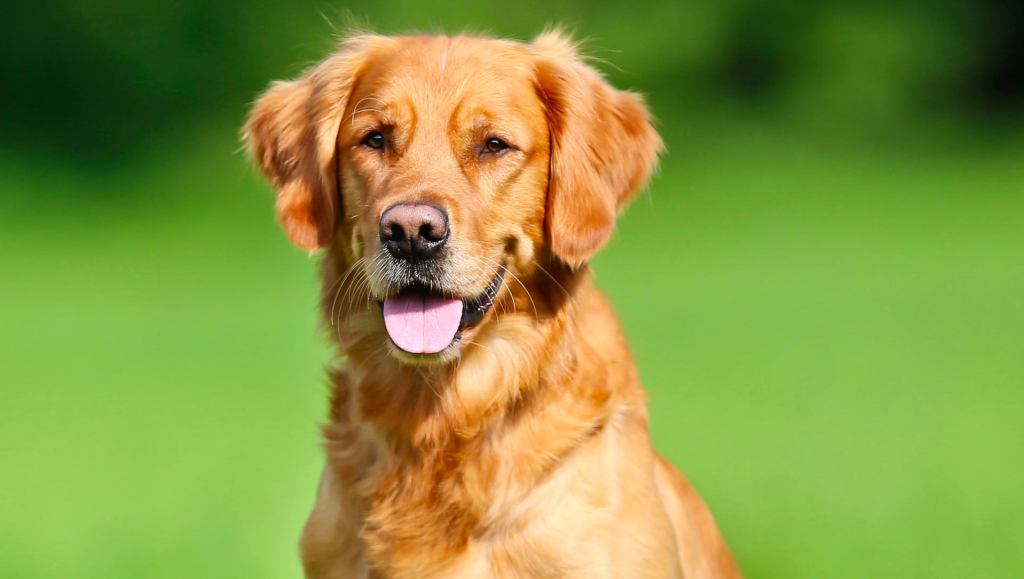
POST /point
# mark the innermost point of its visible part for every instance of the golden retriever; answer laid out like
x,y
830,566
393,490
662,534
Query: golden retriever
x,y
488,420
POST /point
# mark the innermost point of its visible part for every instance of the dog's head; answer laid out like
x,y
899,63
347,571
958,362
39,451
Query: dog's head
x,y
441,171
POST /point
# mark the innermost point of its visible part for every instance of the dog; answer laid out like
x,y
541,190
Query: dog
x,y
487,419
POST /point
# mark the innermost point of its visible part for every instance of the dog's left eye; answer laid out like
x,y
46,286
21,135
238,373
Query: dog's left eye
x,y
495,145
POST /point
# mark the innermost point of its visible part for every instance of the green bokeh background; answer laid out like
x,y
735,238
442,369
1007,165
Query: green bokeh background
x,y
824,286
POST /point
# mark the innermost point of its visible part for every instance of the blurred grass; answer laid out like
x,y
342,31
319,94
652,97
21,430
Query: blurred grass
x,y
831,336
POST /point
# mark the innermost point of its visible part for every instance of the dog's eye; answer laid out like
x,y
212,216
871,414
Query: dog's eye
x,y
374,140
495,145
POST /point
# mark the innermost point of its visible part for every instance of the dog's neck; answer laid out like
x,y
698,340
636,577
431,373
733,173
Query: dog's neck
x,y
481,432
529,346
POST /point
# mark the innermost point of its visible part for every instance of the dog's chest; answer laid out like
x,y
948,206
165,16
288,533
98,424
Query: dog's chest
x,y
423,514
440,519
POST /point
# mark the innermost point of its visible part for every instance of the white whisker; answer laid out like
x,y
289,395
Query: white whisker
x,y
552,278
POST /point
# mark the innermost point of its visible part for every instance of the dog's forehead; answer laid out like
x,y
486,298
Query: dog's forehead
x,y
439,68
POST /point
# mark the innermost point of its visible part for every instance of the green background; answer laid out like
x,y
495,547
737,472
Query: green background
x,y
823,285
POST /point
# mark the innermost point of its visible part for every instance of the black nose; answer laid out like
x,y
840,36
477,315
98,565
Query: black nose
x,y
413,231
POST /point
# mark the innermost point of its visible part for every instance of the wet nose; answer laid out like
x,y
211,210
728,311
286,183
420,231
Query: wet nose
x,y
413,231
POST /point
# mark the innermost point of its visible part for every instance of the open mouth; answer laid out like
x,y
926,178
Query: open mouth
x,y
422,321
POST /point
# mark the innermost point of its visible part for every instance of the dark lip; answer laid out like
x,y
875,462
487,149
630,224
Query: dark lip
x,y
474,309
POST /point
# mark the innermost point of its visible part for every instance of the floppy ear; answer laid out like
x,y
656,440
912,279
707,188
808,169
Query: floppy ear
x,y
603,149
291,134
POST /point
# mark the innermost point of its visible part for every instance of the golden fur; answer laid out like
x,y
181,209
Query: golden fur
x,y
523,452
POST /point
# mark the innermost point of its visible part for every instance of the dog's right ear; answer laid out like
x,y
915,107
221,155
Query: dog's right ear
x,y
291,134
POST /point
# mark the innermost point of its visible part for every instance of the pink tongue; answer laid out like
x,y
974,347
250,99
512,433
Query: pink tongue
x,y
422,324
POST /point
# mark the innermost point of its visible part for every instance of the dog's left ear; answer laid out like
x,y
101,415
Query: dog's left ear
x,y
291,134
603,149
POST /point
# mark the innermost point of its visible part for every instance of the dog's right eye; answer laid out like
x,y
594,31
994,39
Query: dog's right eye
x,y
374,140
